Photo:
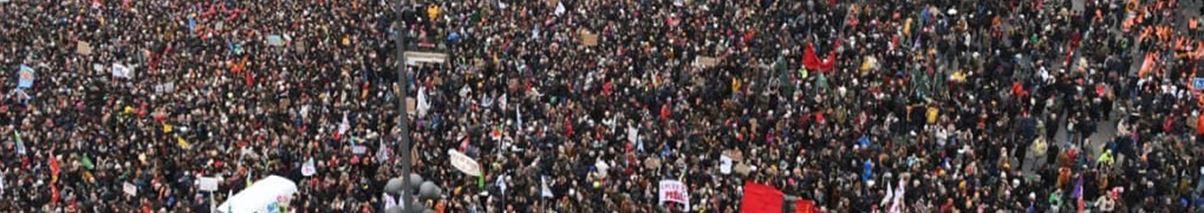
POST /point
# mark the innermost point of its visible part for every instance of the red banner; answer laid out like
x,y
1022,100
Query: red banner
x,y
759,198
805,206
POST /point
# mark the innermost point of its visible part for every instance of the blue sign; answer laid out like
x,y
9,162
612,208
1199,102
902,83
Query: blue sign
x,y
26,77
1197,83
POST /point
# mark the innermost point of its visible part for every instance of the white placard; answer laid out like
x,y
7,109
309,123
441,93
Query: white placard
x,y
129,189
308,168
674,191
207,184
725,164
464,163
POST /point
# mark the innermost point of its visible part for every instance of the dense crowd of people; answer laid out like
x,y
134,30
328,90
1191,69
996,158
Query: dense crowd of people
x,y
580,105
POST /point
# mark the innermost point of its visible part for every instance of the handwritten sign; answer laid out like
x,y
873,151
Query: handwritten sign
x,y
674,191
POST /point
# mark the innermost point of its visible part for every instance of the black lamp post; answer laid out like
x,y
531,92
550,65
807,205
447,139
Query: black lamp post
x,y
404,123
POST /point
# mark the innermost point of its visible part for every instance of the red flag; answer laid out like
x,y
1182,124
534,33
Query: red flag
x,y
54,193
805,206
54,166
250,79
1200,125
759,198
812,62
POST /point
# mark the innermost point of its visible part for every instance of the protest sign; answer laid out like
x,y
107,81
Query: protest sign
x,y
308,168
83,48
121,71
207,184
129,189
725,164
26,77
275,40
587,38
464,163
704,61
674,191
168,87
602,167
411,105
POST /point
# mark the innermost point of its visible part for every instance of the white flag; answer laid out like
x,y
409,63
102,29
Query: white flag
x,y
560,8
423,102
890,191
382,153
345,125
519,111
390,202
899,192
501,183
544,191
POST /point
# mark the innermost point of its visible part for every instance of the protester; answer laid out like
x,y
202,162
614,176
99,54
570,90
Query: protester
x,y
579,105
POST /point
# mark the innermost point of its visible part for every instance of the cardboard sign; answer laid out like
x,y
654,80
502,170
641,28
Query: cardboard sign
x,y
464,163
83,48
26,75
411,105
674,191
207,184
704,61
588,39
129,189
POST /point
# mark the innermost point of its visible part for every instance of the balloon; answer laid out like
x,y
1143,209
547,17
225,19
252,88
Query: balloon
x,y
415,180
416,207
393,186
395,209
428,190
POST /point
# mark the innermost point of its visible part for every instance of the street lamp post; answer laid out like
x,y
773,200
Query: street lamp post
x,y
405,129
